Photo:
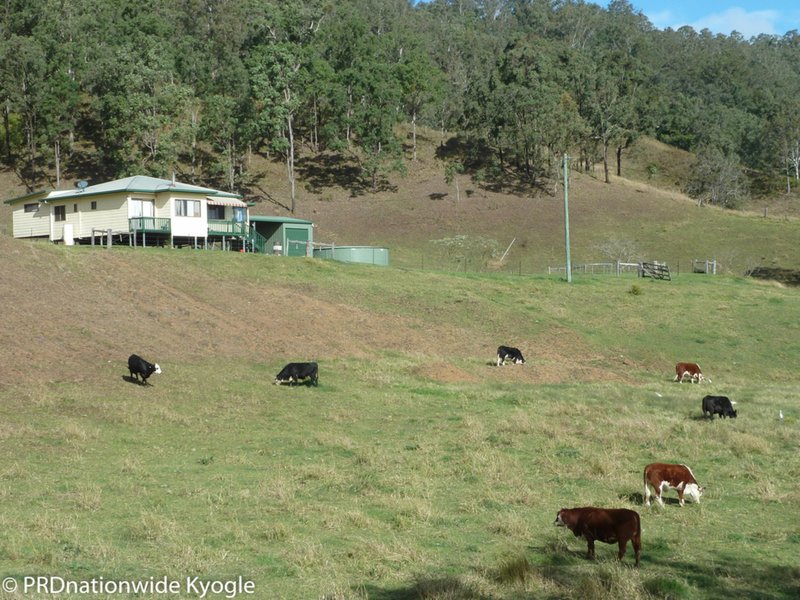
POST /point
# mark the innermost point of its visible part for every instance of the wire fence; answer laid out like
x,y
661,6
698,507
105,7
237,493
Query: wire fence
x,y
461,264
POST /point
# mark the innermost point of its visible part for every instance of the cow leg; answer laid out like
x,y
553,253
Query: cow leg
x,y
680,497
637,547
659,496
590,553
623,545
646,495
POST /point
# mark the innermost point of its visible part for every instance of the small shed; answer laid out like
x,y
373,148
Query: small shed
x,y
285,235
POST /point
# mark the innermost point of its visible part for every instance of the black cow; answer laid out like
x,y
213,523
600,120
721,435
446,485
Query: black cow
x,y
294,372
508,353
139,366
718,405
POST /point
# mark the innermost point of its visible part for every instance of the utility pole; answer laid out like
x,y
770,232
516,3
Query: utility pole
x,y
566,216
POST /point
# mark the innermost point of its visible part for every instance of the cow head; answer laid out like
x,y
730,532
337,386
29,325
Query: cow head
x,y
519,361
559,522
694,491
157,369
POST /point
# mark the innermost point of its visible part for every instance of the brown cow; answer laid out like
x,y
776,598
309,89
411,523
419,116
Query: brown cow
x,y
662,477
607,525
682,369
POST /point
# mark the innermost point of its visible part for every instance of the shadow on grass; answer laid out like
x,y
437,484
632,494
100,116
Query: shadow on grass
x,y
427,587
130,379
570,570
734,577
637,499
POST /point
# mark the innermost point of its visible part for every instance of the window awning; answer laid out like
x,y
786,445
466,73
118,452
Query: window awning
x,y
225,202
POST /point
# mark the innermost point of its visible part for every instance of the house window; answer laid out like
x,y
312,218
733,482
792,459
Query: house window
x,y
238,214
216,212
187,208
137,207
60,213
74,208
94,204
32,207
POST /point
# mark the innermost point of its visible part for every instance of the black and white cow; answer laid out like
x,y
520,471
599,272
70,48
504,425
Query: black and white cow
x,y
505,353
294,372
718,405
139,366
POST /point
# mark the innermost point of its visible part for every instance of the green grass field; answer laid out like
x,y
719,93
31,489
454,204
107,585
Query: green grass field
x,y
416,470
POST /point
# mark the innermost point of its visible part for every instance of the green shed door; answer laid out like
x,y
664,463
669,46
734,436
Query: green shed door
x,y
296,238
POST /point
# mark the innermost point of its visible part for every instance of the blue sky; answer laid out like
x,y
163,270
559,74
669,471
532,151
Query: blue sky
x,y
748,17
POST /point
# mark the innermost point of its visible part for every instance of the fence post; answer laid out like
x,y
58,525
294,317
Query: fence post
x,y
109,239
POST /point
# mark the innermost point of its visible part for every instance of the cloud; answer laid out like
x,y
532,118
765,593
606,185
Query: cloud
x,y
661,19
737,19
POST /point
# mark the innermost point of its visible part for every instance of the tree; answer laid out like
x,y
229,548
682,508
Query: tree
x,y
717,178
24,80
452,169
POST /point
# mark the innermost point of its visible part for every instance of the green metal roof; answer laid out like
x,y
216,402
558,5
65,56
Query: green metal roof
x,y
29,196
267,219
136,184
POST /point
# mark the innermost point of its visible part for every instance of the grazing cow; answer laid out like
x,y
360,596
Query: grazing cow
x,y
294,372
718,405
607,525
682,369
508,353
139,366
662,477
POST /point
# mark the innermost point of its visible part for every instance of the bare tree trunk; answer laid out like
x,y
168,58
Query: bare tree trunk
x,y
414,133
231,150
605,161
315,128
57,153
290,159
7,127
194,143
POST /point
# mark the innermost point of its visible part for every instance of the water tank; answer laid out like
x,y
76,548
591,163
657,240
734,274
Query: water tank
x,y
370,255
66,235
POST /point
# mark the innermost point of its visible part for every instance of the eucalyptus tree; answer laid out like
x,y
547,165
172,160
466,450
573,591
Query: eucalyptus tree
x,y
281,51
23,73
617,105
717,178
365,54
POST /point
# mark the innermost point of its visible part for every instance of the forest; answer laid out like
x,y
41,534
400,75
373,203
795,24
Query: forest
x,y
109,88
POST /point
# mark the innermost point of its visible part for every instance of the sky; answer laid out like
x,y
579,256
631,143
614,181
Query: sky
x,y
748,17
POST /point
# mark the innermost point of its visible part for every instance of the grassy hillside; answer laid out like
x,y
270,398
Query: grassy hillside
x,y
641,216
416,469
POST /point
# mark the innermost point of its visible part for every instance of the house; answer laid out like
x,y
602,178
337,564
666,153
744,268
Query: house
x,y
138,210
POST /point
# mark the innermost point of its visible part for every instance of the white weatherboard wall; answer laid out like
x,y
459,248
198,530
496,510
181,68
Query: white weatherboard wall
x,y
30,224
111,213
195,226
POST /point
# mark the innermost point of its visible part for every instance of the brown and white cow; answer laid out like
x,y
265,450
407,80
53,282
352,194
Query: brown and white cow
x,y
663,477
607,525
682,369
